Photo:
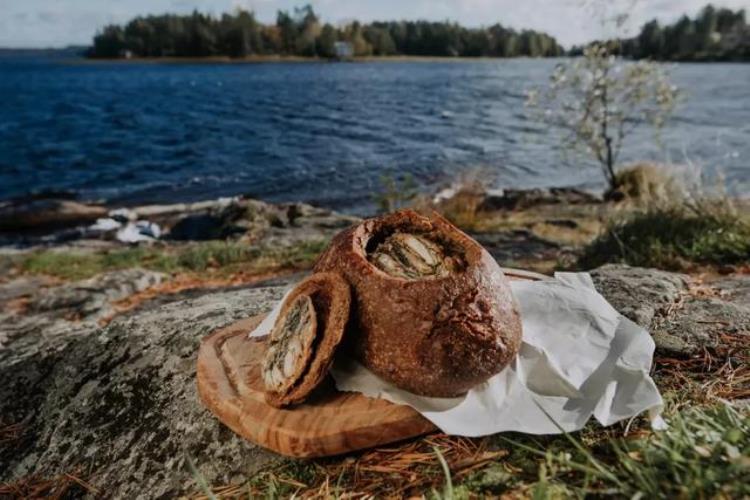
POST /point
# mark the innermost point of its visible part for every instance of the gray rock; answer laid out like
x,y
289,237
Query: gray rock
x,y
156,211
735,288
681,323
701,321
517,199
236,217
57,314
638,293
29,215
121,402
21,287
509,247
27,336
92,299
262,223
297,223
220,222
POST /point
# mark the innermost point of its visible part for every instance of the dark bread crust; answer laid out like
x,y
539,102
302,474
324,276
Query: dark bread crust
x,y
331,298
437,336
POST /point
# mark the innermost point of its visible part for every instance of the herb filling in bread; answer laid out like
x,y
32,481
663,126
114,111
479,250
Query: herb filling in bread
x,y
290,347
413,256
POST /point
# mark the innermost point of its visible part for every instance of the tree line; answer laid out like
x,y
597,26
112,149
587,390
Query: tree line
x,y
714,35
301,33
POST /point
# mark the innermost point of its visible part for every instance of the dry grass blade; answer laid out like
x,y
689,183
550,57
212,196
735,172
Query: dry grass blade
x,y
393,472
721,371
61,486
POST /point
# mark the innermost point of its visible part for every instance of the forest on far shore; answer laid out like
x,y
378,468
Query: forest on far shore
x,y
301,33
716,34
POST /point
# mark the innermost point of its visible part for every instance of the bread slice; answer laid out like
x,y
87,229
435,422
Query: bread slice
x,y
290,345
305,337
433,312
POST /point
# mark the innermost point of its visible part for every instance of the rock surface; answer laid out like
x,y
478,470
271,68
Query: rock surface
x,y
639,293
53,314
510,247
516,199
63,221
91,299
121,400
33,215
681,319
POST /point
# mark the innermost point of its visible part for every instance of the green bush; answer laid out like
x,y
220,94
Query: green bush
x,y
671,238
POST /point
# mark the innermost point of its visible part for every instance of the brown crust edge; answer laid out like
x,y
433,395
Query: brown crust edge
x,y
332,298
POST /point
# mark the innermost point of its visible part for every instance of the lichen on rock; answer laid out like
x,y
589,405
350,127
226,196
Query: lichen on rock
x,y
122,402
681,321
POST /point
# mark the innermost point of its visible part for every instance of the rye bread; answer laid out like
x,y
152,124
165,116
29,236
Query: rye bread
x,y
434,336
290,345
331,298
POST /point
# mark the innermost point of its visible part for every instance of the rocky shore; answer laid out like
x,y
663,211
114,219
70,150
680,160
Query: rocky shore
x,y
106,392
538,225
56,221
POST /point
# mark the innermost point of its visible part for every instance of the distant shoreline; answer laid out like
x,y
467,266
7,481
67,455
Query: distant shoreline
x,y
259,59
291,59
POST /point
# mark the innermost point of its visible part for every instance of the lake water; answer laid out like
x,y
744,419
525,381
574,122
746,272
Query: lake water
x,y
324,133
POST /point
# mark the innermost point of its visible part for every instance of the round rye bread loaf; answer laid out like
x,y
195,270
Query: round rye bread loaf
x,y
304,338
433,313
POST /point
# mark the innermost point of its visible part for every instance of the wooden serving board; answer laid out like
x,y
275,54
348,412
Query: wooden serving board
x,y
329,423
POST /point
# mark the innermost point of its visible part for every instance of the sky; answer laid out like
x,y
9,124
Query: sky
x,y
58,23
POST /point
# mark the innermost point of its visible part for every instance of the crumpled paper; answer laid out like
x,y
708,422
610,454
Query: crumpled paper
x,y
579,358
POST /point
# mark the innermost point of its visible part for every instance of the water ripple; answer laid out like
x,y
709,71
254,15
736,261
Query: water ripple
x,y
320,132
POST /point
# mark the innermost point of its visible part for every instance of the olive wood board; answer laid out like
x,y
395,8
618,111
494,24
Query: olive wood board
x,y
329,423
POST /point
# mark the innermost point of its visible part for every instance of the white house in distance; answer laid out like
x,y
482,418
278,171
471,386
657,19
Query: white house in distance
x,y
344,50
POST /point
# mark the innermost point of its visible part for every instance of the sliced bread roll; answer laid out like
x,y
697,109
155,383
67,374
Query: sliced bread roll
x,y
433,312
304,338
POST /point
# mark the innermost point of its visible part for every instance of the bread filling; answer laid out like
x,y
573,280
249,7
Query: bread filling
x,y
290,347
413,256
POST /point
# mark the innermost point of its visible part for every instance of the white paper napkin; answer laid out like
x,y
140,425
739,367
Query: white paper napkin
x,y
579,357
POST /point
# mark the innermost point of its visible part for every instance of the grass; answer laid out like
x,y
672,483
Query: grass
x,y
197,258
464,208
395,193
705,453
671,238
667,223
647,183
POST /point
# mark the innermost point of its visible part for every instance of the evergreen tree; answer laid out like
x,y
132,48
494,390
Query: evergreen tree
x,y
300,33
